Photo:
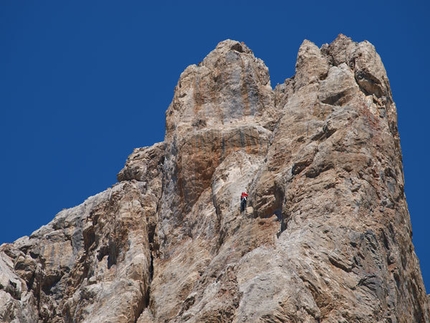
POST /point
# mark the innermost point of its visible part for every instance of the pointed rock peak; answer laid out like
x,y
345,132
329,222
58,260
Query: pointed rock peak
x,y
230,85
363,60
307,46
342,40
230,50
314,65
338,50
229,44
311,65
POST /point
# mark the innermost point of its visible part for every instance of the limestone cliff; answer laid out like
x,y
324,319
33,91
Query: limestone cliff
x,y
326,236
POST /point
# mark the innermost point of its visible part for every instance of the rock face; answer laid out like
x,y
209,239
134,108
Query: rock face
x,y
326,236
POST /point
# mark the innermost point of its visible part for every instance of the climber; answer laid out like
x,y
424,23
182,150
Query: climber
x,y
243,198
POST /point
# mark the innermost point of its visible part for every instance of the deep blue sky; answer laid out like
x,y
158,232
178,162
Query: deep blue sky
x,y
82,83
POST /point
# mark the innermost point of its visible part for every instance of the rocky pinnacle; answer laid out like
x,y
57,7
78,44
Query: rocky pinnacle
x,y
326,235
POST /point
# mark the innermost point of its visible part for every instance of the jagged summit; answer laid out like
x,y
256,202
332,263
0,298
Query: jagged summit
x,y
229,84
326,236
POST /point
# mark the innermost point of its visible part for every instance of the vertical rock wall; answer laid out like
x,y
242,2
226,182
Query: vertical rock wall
x,y
326,236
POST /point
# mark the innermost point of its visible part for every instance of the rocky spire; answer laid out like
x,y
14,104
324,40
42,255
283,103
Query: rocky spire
x,y
326,236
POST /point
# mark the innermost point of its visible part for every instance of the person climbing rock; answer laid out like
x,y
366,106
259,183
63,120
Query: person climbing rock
x,y
243,198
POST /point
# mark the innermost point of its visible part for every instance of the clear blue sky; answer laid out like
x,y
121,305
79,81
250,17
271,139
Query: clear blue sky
x,y
82,83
